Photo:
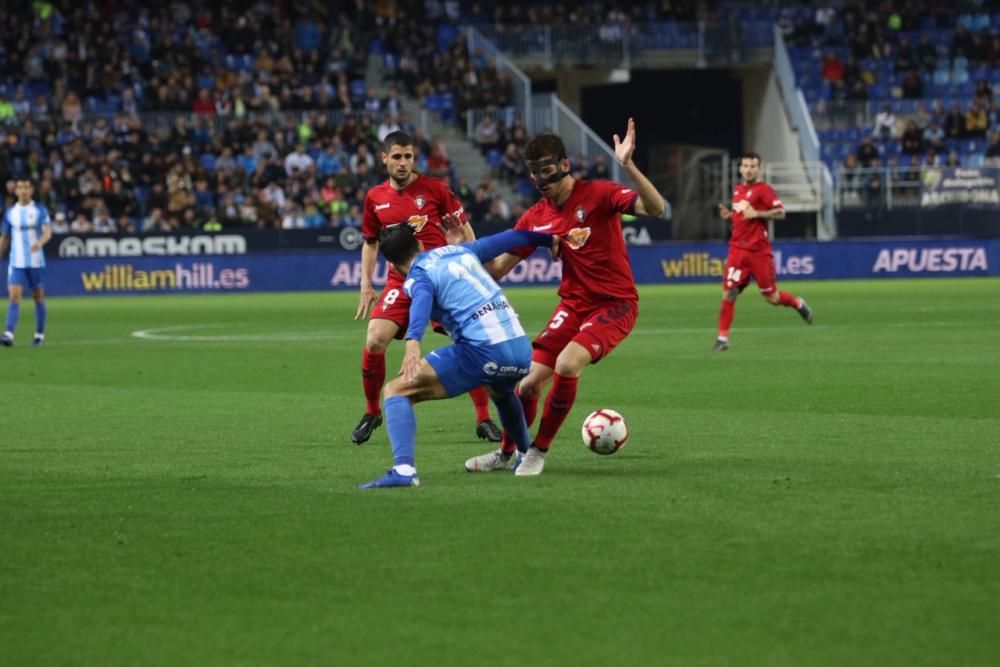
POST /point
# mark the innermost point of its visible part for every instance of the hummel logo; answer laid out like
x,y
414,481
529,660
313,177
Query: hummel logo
x,y
597,348
379,207
585,325
625,191
542,228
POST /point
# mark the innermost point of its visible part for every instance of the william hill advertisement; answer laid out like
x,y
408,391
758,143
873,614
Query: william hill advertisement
x,y
656,264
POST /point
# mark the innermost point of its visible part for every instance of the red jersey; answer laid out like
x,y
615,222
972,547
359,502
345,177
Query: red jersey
x,y
594,256
752,234
421,203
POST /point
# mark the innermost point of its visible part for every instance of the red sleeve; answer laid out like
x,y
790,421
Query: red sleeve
x,y
524,224
769,198
451,203
370,226
620,198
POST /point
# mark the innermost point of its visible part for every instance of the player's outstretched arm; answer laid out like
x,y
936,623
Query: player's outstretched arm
x,y
369,252
503,243
500,266
650,202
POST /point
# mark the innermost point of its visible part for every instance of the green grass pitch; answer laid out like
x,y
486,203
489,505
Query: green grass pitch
x,y
825,495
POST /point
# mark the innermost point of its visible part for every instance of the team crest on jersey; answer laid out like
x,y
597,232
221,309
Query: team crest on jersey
x,y
581,215
419,201
577,237
417,222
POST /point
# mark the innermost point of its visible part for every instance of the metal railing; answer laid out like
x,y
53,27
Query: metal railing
x,y
165,120
820,179
627,44
579,139
479,46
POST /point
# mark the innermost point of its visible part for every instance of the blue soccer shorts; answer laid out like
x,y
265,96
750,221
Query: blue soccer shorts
x,y
29,279
462,366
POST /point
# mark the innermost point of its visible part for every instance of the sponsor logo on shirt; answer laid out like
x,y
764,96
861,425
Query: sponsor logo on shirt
x,y
417,222
577,237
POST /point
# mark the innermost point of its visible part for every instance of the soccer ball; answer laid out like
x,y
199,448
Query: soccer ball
x,y
605,431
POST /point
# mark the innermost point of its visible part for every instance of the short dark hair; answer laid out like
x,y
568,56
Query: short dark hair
x,y
398,243
545,145
397,138
750,156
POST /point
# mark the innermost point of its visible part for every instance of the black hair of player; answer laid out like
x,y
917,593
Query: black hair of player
x,y
397,138
750,156
545,145
398,244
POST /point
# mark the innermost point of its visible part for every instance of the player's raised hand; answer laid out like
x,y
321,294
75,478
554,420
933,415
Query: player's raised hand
x,y
368,298
625,147
724,212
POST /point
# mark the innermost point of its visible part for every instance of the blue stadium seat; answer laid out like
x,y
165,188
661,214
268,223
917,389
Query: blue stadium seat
x,y
358,90
207,161
976,160
446,34
829,134
494,158
972,146
879,91
852,135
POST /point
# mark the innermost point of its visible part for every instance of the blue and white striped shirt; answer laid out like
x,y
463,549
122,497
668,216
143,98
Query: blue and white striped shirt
x,y
23,224
450,285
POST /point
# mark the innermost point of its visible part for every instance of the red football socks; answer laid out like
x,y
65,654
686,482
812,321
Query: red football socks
x,y
373,377
557,406
787,300
530,407
481,399
726,317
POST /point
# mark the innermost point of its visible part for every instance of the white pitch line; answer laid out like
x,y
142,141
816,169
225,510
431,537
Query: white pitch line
x,y
164,334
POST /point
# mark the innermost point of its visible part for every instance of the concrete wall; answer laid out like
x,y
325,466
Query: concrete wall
x,y
766,127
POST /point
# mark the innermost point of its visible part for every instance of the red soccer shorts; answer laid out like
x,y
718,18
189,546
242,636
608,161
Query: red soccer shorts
x,y
393,304
599,329
742,264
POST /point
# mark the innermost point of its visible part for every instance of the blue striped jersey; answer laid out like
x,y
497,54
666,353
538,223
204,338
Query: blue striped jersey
x,y
23,224
467,301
